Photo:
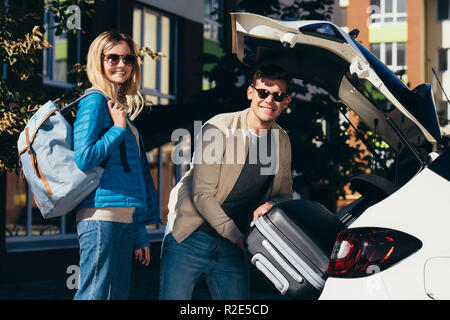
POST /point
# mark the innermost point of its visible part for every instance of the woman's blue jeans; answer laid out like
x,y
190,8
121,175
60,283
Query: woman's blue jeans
x,y
106,253
224,264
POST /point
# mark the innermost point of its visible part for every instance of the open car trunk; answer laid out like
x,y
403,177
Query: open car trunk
x,y
321,53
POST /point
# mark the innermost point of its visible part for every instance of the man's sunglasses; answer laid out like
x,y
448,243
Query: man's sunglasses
x,y
277,96
113,59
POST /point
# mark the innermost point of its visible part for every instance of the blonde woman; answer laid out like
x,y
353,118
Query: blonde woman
x,y
111,220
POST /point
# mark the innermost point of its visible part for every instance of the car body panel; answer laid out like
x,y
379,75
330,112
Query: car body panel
x,y
437,278
420,208
404,281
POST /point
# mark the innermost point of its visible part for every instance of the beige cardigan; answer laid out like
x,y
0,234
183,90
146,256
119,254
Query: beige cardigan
x,y
199,194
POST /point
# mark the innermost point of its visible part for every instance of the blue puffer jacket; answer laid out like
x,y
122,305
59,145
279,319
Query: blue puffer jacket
x,y
96,139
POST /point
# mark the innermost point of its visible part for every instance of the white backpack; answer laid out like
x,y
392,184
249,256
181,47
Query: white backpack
x,y
47,159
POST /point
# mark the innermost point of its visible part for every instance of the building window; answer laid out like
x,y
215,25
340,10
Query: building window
x,y
24,222
388,11
443,111
212,28
158,32
392,54
60,59
212,34
443,9
443,59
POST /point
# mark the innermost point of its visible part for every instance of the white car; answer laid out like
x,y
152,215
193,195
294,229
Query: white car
x,y
396,244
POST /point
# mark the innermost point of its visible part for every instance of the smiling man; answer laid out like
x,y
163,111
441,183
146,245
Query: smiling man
x,y
269,98
213,204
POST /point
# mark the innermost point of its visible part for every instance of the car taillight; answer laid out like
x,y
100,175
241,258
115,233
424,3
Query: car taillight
x,y
359,252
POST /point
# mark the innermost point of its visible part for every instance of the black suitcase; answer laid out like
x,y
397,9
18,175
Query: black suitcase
x,y
291,245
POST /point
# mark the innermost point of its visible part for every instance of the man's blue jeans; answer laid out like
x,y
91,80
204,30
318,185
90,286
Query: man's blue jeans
x,y
224,264
106,253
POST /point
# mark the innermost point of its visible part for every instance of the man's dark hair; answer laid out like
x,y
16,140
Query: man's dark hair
x,y
273,72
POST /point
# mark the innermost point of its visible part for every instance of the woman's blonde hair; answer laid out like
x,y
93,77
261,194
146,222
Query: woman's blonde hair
x,y
127,94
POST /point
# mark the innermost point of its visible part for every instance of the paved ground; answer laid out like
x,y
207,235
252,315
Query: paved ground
x,y
44,276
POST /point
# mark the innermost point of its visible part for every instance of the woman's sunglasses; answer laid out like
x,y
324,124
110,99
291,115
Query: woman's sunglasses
x,y
113,59
277,96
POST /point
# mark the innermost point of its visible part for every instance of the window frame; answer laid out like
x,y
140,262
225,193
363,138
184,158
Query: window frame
x,y
438,10
394,67
157,233
209,21
447,51
156,92
218,25
29,241
382,15
49,54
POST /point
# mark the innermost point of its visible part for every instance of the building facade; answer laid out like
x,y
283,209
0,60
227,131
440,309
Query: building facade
x,y
412,37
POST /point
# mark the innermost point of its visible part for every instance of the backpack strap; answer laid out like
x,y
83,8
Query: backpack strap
x,y
123,154
123,158
67,108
